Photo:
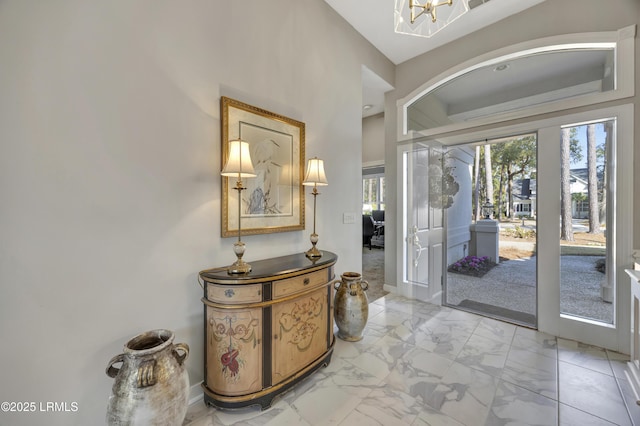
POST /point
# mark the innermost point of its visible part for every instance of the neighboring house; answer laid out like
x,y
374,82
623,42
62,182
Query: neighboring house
x,y
580,192
578,179
524,197
525,200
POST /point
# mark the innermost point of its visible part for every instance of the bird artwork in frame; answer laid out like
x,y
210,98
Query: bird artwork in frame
x,y
273,201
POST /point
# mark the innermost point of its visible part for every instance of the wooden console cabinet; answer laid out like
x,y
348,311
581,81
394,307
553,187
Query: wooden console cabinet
x,y
266,330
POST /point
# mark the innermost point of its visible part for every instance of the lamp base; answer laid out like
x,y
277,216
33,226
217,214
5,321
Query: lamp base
x,y
313,252
239,266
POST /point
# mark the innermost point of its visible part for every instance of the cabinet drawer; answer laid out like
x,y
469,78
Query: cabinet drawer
x,y
293,285
234,294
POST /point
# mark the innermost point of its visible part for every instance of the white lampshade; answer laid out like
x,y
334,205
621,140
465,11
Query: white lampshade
x,y
239,160
315,173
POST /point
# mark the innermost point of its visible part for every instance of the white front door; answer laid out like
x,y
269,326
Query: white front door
x,y
421,227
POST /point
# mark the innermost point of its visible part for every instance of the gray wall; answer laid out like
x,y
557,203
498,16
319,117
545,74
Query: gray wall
x,y
109,170
373,140
552,17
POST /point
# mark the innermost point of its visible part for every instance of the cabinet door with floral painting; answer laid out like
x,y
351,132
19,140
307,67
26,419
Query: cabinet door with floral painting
x,y
234,352
299,333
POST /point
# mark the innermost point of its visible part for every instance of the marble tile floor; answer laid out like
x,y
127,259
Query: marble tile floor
x,y
422,364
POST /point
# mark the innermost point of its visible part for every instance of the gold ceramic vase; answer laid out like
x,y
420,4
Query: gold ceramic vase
x,y
351,307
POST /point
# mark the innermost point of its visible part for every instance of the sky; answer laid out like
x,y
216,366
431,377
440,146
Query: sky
x,y
582,139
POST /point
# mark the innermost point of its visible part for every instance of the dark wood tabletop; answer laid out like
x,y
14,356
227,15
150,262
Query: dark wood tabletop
x,y
277,266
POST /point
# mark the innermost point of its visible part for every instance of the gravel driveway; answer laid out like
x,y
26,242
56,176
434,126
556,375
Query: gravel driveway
x,y
511,285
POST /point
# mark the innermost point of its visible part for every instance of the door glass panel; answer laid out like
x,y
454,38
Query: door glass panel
x,y
417,216
587,282
491,229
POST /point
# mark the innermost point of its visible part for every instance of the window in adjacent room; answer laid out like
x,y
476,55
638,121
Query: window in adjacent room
x,y
372,189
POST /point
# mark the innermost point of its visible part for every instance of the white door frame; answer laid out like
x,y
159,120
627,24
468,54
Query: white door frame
x,y
617,336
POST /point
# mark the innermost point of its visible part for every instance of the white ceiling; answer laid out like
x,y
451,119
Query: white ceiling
x,y
375,23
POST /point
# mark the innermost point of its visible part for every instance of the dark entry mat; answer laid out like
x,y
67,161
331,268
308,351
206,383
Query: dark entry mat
x,y
498,312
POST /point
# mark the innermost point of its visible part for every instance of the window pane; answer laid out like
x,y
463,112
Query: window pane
x,y
587,284
372,194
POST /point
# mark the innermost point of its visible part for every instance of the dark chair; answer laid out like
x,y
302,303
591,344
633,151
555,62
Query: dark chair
x,y
368,229
378,216
378,221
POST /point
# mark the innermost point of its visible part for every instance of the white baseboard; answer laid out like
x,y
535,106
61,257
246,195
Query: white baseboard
x,y
195,394
390,288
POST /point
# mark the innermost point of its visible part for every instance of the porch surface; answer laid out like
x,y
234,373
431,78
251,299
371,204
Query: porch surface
x,y
511,285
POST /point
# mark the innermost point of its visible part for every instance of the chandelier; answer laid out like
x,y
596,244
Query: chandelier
x,y
425,19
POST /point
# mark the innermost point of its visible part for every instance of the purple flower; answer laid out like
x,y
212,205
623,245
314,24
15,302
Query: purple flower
x,y
470,264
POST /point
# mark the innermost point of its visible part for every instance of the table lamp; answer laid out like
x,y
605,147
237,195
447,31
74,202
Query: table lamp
x,y
239,165
314,177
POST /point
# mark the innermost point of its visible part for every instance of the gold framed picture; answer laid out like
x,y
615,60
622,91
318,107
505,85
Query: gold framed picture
x,y
273,201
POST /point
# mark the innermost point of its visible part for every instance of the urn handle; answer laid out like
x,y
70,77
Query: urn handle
x,y
180,347
111,370
336,284
353,287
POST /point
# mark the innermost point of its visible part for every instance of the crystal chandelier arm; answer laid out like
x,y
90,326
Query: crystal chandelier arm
x,y
429,7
